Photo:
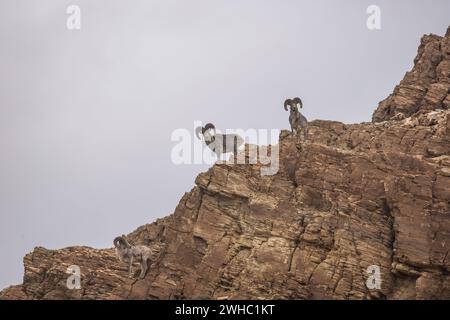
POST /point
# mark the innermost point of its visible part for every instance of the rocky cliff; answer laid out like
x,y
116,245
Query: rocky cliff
x,y
350,197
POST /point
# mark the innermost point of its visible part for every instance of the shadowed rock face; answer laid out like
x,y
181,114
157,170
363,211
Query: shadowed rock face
x,y
350,197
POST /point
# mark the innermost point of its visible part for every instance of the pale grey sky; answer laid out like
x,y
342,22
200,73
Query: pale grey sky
x,y
86,116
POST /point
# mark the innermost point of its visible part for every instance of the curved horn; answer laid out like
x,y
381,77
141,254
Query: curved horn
x,y
198,131
287,103
125,242
117,240
298,101
209,126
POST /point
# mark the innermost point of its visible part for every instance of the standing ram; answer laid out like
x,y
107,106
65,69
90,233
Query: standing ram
x,y
297,121
217,142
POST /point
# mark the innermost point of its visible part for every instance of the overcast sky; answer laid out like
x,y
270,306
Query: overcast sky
x,y
86,115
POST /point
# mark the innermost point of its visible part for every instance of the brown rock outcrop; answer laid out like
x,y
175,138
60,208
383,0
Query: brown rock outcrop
x,y
350,197
426,87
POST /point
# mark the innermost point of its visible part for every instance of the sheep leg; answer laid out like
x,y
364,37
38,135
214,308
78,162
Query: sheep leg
x,y
144,267
130,269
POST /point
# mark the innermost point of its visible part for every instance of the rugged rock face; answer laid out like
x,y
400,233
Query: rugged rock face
x,y
350,197
424,88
